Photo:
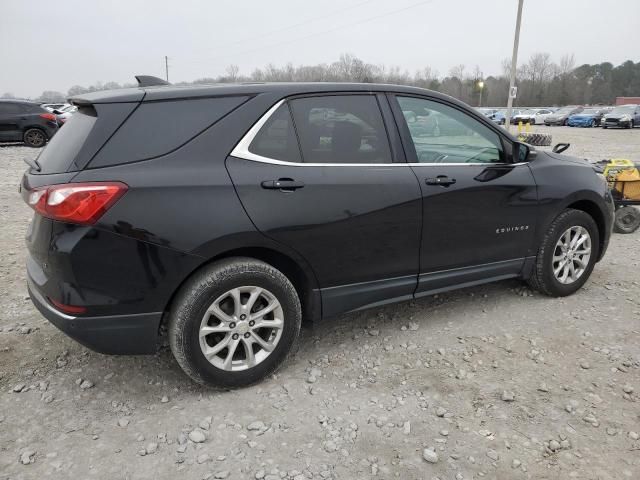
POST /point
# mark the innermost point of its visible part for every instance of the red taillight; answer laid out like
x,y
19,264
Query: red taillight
x,y
48,116
81,203
71,309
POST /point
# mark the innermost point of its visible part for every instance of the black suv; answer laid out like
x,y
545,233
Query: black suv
x,y
226,215
28,122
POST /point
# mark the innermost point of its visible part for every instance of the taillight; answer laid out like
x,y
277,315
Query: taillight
x,y
82,203
48,116
71,309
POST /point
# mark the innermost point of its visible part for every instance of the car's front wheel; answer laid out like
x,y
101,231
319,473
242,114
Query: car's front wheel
x,y
34,137
567,254
234,323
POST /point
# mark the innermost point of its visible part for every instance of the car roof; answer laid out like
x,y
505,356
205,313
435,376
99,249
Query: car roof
x,y
176,92
13,100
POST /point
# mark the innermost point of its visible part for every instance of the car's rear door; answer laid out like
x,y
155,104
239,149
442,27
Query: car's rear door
x,y
479,206
338,192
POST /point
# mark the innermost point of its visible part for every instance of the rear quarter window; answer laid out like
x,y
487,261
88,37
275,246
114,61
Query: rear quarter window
x,y
157,128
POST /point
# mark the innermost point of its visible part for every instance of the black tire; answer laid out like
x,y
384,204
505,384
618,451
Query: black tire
x,y
630,124
542,278
198,294
537,139
593,124
532,121
627,220
604,127
34,137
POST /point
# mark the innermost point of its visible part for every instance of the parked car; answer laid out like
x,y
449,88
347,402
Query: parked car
x,y
487,112
625,116
28,122
500,116
589,117
202,212
54,106
65,113
561,116
532,116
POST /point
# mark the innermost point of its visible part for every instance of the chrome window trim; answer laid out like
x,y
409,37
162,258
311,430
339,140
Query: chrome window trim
x,y
241,150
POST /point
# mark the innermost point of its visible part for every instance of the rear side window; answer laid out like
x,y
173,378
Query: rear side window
x,y
341,129
67,142
157,128
277,137
10,108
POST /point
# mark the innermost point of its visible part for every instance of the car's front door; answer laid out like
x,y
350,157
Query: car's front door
x,y
326,176
479,205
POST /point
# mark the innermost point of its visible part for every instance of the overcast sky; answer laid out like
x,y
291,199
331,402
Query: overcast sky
x,y
54,45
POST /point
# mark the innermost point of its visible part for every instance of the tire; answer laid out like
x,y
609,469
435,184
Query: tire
x,y
593,124
565,123
543,278
192,310
627,220
34,137
537,139
630,124
532,121
604,127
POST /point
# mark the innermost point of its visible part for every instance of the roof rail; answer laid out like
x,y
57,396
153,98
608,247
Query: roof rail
x,y
150,81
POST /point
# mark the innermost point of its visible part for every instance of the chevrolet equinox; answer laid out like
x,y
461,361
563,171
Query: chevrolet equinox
x,y
226,214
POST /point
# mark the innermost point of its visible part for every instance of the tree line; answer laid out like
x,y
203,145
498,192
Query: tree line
x,y
540,81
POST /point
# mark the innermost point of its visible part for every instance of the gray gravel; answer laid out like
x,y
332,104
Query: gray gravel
x,y
492,382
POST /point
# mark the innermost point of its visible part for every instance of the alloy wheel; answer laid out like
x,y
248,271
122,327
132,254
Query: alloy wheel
x,y
35,138
571,255
241,328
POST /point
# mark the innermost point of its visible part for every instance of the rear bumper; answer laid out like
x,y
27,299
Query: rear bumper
x,y
115,334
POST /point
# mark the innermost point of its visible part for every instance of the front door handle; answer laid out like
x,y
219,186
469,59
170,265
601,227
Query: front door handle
x,y
286,184
441,180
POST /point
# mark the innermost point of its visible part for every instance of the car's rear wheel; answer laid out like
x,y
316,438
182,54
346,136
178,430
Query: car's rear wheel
x,y
593,123
34,137
630,124
234,323
567,254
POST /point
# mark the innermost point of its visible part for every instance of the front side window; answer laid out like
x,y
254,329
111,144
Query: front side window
x,y
442,134
277,137
341,129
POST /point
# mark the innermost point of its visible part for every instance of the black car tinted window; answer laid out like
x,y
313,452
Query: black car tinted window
x,y
341,129
157,128
11,108
443,134
65,145
277,137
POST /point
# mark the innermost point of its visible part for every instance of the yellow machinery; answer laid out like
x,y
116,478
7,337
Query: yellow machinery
x,y
624,179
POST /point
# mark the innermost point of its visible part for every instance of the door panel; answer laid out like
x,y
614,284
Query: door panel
x,y
353,224
338,192
487,215
479,208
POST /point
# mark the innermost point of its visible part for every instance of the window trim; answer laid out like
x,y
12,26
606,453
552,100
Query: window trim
x,y
241,150
403,127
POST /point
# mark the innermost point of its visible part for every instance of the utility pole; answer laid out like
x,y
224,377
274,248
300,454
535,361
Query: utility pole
x,y
166,67
514,62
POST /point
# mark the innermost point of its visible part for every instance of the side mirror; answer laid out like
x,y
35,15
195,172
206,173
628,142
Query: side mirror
x,y
523,152
560,147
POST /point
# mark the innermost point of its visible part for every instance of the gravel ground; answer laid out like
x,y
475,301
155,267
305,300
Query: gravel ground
x,y
492,381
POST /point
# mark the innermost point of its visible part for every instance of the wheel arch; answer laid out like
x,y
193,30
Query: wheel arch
x,y
302,278
592,209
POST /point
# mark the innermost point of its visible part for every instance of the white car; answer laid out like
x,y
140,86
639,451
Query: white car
x,y
65,113
532,116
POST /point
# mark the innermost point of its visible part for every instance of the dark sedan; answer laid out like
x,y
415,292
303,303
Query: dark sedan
x,y
561,116
624,116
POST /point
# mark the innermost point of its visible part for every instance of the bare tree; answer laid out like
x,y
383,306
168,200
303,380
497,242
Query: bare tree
x,y
232,72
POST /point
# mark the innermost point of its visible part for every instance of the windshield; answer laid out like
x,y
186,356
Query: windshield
x,y
529,112
589,111
622,110
565,110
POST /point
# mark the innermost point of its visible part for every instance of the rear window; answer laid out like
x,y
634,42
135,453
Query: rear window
x,y
65,145
157,128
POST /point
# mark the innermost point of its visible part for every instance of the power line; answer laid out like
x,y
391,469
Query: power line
x,y
295,25
366,20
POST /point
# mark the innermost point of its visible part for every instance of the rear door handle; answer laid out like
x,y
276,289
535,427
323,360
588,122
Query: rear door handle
x,y
442,180
285,184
